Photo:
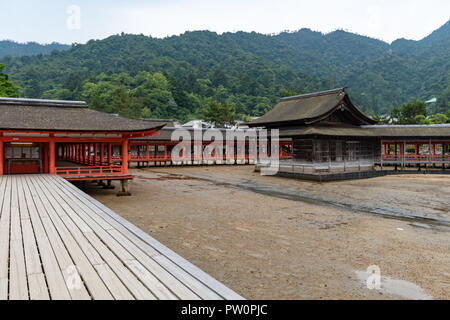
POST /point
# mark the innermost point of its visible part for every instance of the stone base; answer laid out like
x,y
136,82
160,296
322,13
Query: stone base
x,y
124,189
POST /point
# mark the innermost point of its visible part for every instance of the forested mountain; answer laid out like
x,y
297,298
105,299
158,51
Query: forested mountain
x,y
177,76
15,49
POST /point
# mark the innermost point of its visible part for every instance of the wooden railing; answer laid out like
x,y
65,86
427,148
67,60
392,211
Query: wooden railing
x,y
88,171
416,158
196,157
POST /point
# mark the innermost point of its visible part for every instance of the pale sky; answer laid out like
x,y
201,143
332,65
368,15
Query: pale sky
x,y
46,21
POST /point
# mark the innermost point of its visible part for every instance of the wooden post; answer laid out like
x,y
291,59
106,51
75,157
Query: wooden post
x,y
102,154
403,153
124,188
109,153
95,153
443,156
429,152
91,157
125,155
1,155
51,157
396,155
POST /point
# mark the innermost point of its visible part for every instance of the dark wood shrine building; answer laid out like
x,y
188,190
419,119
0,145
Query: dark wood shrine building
x,y
66,138
326,133
330,136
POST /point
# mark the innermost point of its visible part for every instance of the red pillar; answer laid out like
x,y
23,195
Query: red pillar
x,y
51,158
45,158
95,154
148,151
109,153
125,155
102,154
90,153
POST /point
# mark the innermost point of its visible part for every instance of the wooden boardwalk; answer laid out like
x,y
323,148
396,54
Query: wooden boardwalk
x,y
56,242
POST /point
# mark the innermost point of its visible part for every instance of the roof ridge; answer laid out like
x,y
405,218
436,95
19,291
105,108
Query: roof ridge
x,y
440,125
313,94
43,102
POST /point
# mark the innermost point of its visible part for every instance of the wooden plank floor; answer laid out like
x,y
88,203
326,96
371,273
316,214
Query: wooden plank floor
x,y
57,242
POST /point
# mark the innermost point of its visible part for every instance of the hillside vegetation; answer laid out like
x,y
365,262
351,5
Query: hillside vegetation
x,y
178,76
15,49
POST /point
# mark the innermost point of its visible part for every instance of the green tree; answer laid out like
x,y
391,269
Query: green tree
x,y
7,88
421,119
439,118
288,93
408,112
221,114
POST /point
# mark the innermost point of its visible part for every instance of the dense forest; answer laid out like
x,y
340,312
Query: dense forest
x,y
15,49
179,76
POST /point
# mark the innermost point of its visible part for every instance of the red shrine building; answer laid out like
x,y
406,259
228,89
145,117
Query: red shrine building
x,y
68,139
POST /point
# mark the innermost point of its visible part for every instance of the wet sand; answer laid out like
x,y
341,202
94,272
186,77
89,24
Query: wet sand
x,y
279,238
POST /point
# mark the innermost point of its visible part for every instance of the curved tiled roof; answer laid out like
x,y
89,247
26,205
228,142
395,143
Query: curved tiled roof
x,y
67,116
309,108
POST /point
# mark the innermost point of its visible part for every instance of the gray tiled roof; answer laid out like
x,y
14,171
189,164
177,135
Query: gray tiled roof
x,y
309,108
68,116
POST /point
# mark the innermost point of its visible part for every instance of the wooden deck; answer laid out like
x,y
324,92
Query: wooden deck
x,y
56,242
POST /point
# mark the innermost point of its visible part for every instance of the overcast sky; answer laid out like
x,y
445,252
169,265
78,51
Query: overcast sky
x,y
58,20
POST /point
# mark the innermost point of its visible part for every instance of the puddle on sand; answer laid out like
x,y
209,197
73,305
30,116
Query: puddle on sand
x,y
168,177
402,288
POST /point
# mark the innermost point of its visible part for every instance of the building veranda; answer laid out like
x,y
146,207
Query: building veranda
x,y
68,139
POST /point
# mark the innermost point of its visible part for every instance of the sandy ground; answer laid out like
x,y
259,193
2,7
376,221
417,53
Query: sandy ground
x,y
279,238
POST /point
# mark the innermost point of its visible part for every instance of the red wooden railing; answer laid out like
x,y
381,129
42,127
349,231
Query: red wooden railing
x,y
88,171
415,158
